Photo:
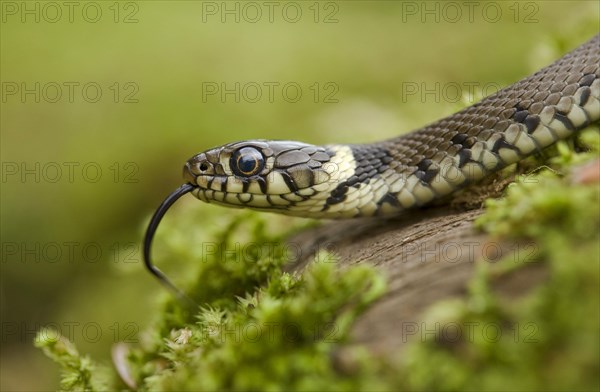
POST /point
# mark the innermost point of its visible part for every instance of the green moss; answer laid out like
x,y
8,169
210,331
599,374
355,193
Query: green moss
x,y
259,328
281,337
79,373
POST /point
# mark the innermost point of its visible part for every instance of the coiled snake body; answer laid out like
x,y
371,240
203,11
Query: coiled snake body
x,y
345,181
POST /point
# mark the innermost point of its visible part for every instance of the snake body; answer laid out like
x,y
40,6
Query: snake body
x,y
355,180
345,181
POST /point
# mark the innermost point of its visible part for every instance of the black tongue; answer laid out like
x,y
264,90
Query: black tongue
x,y
156,218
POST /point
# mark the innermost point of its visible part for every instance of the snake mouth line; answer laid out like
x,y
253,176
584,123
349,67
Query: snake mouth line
x,y
152,227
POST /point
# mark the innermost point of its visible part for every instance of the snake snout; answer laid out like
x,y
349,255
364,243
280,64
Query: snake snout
x,y
188,174
197,166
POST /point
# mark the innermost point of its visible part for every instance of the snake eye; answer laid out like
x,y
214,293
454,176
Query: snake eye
x,y
247,161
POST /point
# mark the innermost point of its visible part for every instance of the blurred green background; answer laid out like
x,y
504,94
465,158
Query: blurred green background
x,y
102,103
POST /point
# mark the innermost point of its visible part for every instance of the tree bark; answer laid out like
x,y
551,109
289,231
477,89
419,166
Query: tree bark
x,y
427,255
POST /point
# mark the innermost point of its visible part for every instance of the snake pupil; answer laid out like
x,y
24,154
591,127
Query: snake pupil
x,y
247,161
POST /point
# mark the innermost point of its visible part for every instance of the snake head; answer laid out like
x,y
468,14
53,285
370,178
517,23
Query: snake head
x,y
262,174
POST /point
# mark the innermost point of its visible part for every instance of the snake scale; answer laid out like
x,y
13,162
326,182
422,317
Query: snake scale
x,y
383,178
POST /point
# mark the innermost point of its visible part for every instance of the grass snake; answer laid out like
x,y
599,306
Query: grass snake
x,y
412,170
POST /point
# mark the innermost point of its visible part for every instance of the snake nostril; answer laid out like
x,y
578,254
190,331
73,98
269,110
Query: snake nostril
x,y
203,166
